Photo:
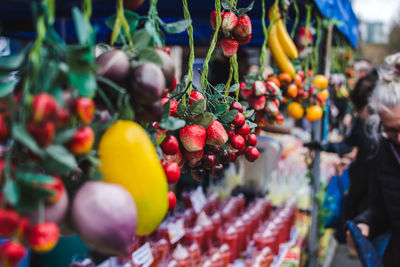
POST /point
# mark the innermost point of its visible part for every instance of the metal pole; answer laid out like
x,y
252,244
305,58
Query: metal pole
x,y
313,243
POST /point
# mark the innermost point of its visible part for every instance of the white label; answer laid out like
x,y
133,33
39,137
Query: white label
x,y
198,200
176,231
143,256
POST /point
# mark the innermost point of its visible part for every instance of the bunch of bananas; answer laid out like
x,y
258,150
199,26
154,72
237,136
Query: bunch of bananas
x,y
280,43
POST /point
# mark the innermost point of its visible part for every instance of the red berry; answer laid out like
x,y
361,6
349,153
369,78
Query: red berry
x,y
252,140
239,120
173,86
209,161
236,105
232,156
85,108
172,171
43,237
44,107
43,133
237,141
11,254
171,200
252,154
280,118
230,134
170,145
229,46
9,220
217,171
244,130
63,118
82,142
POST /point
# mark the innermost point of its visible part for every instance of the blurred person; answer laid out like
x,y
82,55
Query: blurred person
x,y
383,212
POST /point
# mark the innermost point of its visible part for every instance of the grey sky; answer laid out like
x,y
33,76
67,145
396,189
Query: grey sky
x,y
377,10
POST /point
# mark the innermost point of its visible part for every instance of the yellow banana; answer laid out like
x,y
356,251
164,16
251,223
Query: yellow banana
x,y
278,54
283,36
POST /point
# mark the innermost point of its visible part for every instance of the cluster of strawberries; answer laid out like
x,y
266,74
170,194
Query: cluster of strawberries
x,y
235,31
206,149
265,98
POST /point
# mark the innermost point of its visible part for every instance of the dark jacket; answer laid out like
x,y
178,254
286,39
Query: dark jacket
x,y
383,211
356,201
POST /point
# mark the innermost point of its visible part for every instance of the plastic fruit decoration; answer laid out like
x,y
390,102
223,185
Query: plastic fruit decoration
x,y
285,79
128,158
105,217
295,110
85,108
320,81
171,200
43,237
292,91
9,220
132,4
314,113
11,254
324,94
82,142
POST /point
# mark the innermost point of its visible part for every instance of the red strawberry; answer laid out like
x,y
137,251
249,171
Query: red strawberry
x,y
229,46
11,254
194,96
44,107
178,158
239,120
232,156
193,157
217,170
229,21
252,154
213,19
252,140
63,118
245,93
259,88
216,134
280,118
243,27
172,172
271,108
258,103
236,105
85,108
4,131
43,237
237,141
57,186
43,133
230,134
173,106
242,85
9,220
209,161
170,145
243,40
171,200
244,130
193,137
82,142
273,89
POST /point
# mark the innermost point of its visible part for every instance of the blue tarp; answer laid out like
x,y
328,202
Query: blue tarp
x,y
11,11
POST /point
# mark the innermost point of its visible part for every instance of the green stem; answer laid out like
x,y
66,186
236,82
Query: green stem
x,y
296,19
191,45
51,10
87,9
121,22
308,22
228,82
204,75
318,41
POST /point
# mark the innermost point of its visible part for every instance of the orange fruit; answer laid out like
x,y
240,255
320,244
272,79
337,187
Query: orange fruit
x,y
324,94
320,81
275,80
314,113
292,91
297,80
295,110
285,78
285,100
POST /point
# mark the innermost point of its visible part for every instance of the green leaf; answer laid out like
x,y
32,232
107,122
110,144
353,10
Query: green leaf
x,y
160,139
7,88
112,84
82,26
197,107
244,104
226,4
204,119
151,29
249,113
131,17
149,54
172,124
242,11
141,39
229,116
80,59
166,110
177,26
11,192
234,88
220,109
62,156
85,83
95,174
127,112
15,61
20,134
64,135
252,125
181,109
29,177
220,88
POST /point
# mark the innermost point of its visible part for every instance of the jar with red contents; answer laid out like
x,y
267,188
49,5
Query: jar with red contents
x,y
225,252
208,228
217,222
241,230
181,256
195,254
230,237
194,234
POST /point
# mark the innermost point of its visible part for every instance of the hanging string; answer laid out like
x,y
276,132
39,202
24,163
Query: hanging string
x,y
204,75
308,22
296,19
318,41
87,9
191,45
236,75
228,82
